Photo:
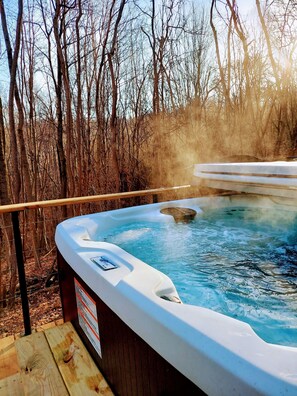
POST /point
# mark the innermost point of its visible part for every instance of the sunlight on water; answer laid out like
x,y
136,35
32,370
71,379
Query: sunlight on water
x,y
240,262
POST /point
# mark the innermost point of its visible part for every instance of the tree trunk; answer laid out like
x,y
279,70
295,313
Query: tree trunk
x,y
226,92
12,58
113,116
79,110
69,118
8,260
269,46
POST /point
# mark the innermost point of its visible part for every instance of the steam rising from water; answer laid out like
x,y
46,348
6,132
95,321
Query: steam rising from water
x,y
193,136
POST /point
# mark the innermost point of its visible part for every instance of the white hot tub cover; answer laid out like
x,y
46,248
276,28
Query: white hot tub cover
x,y
278,178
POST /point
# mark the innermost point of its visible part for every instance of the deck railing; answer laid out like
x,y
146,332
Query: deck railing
x,y
15,209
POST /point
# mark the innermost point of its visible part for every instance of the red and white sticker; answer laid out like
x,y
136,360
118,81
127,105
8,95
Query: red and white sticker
x,y
87,316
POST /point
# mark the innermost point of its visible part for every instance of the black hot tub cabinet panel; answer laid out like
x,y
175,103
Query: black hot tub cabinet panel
x,y
128,363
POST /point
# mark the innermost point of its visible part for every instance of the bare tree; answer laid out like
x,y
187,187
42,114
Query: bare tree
x,y
79,109
269,46
226,91
7,258
113,115
57,82
12,57
61,11
15,137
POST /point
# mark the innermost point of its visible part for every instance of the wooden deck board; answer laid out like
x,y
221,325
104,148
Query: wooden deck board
x,y
8,358
78,370
51,361
43,327
39,373
11,386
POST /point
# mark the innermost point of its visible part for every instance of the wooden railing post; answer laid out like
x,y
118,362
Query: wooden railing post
x,y
21,271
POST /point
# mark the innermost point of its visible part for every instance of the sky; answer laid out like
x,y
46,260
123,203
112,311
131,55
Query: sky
x,y
246,6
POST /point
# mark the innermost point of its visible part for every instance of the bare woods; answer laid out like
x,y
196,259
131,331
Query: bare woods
x,y
96,94
118,95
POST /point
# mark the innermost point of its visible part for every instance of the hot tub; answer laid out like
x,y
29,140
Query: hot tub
x,y
142,337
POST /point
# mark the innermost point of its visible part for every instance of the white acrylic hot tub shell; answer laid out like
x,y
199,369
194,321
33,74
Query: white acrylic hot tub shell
x,y
223,356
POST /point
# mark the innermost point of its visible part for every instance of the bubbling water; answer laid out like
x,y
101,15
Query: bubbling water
x,y
241,262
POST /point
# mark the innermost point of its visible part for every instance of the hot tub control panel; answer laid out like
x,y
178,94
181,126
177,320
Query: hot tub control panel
x,y
104,263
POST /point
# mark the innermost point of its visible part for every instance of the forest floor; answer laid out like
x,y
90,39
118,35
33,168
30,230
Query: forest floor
x,y
44,299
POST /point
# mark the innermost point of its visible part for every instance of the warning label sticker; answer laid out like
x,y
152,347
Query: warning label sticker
x,y
87,316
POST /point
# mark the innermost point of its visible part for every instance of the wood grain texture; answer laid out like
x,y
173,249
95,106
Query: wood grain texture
x,y
39,373
77,368
45,326
8,359
93,198
11,386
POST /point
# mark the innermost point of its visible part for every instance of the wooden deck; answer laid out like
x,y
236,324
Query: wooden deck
x,y
51,361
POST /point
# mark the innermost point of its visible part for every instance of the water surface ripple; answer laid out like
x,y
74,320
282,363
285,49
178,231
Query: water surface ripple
x,y
241,262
